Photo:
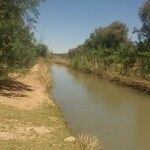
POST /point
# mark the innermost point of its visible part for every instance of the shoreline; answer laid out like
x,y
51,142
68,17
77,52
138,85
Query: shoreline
x,y
31,119
141,85
29,116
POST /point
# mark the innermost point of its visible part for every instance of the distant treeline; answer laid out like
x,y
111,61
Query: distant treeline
x,y
18,45
109,48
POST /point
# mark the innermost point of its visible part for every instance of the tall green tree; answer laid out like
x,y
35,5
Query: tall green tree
x,y
17,42
144,15
108,37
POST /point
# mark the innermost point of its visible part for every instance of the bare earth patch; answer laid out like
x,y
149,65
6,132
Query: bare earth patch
x,y
18,131
25,92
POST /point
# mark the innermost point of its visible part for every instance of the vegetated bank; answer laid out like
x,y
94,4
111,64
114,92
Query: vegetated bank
x,y
29,118
109,52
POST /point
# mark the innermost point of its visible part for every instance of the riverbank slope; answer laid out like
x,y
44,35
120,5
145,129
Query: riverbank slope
x,y
140,84
29,119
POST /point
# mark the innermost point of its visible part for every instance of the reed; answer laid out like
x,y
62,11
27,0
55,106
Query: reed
x,y
87,142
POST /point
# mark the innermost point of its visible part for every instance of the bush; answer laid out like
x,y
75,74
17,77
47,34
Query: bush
x,y
42,50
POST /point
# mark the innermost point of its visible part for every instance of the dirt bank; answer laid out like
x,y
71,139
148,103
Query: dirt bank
x,y
61,60
29,119
24,92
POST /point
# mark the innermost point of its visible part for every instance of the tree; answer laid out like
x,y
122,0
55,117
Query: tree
x,y
108,37
144,15
42,50
17,42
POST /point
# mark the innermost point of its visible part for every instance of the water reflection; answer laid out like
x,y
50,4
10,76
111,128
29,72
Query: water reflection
x,y
116,114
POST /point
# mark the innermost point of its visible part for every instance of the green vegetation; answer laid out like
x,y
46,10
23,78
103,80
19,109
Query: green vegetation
x,y
109,49
42,50
18,46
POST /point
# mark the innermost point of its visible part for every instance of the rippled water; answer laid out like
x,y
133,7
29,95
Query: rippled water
x,y
119,116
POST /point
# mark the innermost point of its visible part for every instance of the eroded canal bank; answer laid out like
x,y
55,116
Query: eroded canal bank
x,y
117,115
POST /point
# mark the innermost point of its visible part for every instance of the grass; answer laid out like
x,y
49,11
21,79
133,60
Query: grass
x,y
41,128
130,79
12,118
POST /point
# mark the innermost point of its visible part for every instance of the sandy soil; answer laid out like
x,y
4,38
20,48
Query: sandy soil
x,y
25,92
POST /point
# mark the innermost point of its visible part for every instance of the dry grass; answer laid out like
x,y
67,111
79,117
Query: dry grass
x,y
87,142
131,80
42,128
32,122
44,75
59,60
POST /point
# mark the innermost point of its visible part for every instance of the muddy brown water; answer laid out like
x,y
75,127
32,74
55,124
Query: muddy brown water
x,y
119,116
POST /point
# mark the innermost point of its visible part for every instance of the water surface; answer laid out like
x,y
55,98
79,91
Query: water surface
x,y
119,116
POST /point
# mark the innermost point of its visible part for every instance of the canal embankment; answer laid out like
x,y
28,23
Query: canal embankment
x,y
29,118
135,82
117,115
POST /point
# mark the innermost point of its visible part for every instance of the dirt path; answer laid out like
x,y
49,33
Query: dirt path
x,y
28,118
26,92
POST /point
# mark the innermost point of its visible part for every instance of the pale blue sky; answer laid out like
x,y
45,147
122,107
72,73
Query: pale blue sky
x,y
64,24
